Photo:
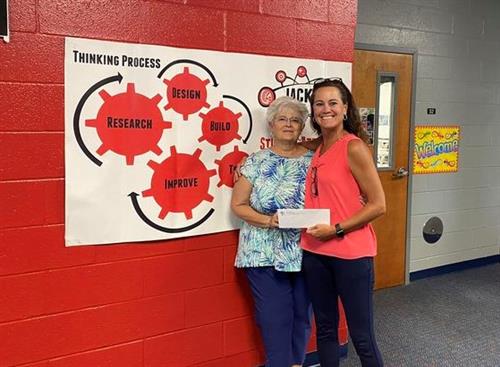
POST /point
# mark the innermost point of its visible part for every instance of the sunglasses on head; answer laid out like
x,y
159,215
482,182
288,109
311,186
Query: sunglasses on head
x,y
324,80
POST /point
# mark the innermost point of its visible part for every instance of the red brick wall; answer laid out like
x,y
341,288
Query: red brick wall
x,y
168,303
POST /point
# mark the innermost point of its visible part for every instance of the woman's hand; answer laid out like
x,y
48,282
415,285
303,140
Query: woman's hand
x,y
322,232
237,170
273,221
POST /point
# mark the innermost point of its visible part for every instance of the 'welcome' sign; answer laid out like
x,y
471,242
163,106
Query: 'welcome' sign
x,y
436,149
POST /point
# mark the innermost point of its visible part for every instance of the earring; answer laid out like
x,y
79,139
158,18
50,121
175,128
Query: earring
x,y
345,117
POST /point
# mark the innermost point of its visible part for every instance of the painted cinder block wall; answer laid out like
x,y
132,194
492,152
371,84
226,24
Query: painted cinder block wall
x,y
165,303
458,73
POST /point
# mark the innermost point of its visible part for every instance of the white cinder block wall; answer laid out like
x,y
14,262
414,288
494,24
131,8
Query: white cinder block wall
x,y
458,73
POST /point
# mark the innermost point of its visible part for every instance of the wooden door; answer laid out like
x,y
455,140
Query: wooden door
x,y
370,70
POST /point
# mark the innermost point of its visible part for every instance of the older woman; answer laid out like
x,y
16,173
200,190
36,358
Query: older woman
x,y
273,179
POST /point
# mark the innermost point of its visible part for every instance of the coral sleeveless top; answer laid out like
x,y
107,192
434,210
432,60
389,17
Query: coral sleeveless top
x,y
335,188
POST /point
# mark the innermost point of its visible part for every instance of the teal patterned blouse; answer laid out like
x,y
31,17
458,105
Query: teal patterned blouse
x,y
277,183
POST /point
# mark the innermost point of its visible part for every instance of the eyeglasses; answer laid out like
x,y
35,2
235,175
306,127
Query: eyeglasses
x,y
314,181
283,120
324,80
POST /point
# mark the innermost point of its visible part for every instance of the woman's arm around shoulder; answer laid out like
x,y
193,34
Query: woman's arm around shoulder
x,y
240,205
312,144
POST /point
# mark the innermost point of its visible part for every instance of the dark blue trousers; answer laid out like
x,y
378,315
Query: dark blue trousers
x,y
283,314
328,278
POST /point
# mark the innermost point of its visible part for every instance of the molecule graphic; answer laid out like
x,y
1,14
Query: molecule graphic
x,y
267,95
129,136
220,126
179,183
186,93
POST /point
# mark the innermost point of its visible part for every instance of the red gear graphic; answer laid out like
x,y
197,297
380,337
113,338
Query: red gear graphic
x,y
227,166
219,126
186,93
179,183
129,124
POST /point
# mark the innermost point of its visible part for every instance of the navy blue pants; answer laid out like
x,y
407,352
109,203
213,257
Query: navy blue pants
x,y
328,278
283,314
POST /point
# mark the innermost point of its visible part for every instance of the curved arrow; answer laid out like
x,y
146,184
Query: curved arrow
x,y
248,111
149,222
78,111
214,81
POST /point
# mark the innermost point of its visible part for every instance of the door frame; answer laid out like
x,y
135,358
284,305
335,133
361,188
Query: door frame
x,y
414,53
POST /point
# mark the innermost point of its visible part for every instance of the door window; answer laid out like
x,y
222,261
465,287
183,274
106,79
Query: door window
x,y
385,119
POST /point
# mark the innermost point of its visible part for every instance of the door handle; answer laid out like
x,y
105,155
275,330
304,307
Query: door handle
x,y
400,173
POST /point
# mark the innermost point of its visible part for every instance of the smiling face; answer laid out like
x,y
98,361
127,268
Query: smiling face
x,y
286,125
328,108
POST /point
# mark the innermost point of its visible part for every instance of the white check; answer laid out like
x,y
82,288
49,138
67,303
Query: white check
x,y
302,218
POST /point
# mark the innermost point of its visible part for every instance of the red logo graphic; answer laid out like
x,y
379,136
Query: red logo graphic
x,y
129,124
267,95
219,126
179,183
227,165
186,93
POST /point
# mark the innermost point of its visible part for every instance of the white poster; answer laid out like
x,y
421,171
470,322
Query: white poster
x,y
152,134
